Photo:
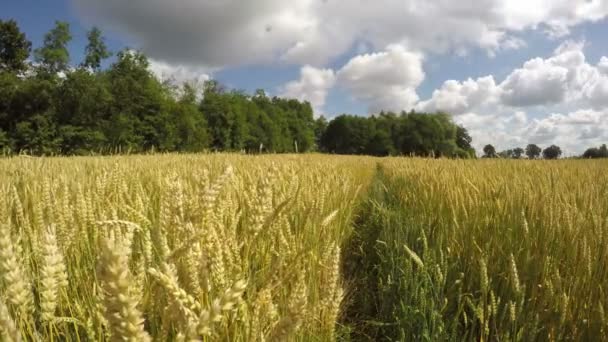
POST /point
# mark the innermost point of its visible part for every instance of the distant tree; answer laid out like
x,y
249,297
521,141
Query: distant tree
x,y
506,154
191,125
14,47
54,55
518,152
533,151
591,153
320,127
552,152
428,135
594,152
347,134
96,50
140,116
83,112
463,141
489,151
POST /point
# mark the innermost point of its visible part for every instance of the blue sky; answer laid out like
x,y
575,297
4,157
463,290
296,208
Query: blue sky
x,y
535,67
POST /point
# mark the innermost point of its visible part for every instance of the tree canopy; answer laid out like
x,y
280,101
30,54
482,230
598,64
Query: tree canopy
x,y
489,151
552,152
533,151
14,47
595,152
419,134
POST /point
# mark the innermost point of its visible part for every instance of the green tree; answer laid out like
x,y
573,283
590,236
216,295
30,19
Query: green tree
x,y
191,126
14,47
603,151
428,135
320,127
489,151
463,141
54,55
552,152
346,134
533,151
140,109
591,153
83,112
96,50
518,152
594,152
29,115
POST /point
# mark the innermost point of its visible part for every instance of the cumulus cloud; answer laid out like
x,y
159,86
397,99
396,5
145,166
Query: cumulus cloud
x,y
549,81
537,83
458,98
385,80
569,129
233,32
179,74
546,87
566,76
312,86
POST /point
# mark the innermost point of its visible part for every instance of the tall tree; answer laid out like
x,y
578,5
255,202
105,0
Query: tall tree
x,y
518,152
14,47
140,111
552,152
191,126
96,50
594,152
603,150
320,127
463,141
54,55
533,151
489,151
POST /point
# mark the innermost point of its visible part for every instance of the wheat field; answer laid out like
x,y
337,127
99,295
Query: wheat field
x,y
302,248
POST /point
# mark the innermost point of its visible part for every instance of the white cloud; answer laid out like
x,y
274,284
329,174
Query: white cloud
x,y
461,97
233,32
567,130
500,114
179,74
385,80
312,86
537,83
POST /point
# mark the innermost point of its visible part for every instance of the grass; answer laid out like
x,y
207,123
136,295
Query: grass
x,y
302,248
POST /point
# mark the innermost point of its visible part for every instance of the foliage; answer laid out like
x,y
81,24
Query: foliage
x,y
533,151
552,152
96,50
386,134
54,55
594,152
489,151
518,152
14,47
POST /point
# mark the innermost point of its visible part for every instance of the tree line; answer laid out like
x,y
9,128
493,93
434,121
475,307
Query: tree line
x,y
49,105
533,151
